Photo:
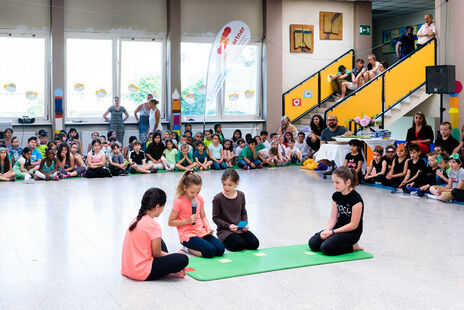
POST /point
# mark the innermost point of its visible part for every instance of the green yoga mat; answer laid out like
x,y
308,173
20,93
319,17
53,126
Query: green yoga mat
x,y
271,259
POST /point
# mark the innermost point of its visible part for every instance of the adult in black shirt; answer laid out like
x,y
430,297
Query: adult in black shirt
x,y
342,232
314,138
420,133
447,142
406,43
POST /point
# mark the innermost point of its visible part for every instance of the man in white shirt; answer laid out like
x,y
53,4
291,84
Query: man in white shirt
x,y
427,31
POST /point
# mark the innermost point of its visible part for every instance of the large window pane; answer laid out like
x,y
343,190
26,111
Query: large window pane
x,y
89,80
241,87
22,77
194,67
141,71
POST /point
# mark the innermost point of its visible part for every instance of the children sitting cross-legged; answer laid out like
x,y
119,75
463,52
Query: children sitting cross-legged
x,y
376,171
155,152
117,163
276,155
138,161
129,148
266,157
399,168
230,215
416,167
24,168
48,169
170,153
96,161
6,171
216,153
79,164
145,256
66,161
431,176
303,147
15,150
293,153
248,158
188,215
201,157
455,187
185,159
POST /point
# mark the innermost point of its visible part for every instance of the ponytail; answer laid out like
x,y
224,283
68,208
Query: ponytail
x,y
153,197
188,178
347,174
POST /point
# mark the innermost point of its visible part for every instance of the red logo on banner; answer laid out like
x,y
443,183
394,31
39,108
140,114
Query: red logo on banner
x,y
296,102
224,40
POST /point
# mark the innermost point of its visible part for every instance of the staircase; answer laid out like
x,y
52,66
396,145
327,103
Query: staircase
x,y
388,97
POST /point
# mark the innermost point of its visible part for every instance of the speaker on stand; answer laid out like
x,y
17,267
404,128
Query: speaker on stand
x,y
440,80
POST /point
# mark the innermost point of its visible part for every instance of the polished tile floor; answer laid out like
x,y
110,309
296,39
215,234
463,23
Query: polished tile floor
x,y
60,247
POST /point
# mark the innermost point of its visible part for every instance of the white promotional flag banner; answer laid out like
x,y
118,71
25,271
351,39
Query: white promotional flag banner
x,y
227,47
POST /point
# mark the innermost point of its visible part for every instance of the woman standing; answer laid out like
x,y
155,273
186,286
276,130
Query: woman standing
x,y
155,116
117,121
286,126
314,138
420,133
143,121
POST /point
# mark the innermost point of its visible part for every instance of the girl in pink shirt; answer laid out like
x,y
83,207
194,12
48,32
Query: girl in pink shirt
x,y
144,254
195,233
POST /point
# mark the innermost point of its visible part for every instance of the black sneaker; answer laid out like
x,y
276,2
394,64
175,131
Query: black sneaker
x,y
154,170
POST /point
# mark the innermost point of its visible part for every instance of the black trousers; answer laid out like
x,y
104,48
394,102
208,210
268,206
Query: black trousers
x,y
337,244
101,172
115,171
239,242
379,178
172,263
458,194
394,182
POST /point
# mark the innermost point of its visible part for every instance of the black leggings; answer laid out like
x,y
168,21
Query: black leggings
x,y
337,244
239,242
395,182
164,265
101,172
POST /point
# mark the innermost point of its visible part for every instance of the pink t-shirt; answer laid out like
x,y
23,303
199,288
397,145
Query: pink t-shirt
x,y
184,207
137,257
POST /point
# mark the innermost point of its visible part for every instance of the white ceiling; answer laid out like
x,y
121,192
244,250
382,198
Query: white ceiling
x,y
390,8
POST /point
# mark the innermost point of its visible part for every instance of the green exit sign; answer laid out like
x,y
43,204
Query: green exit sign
x,y
364,30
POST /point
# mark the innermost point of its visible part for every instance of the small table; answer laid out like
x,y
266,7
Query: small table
x,y
335,152
372,143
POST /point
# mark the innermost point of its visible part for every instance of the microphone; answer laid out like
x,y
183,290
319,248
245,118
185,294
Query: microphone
x,y
194,208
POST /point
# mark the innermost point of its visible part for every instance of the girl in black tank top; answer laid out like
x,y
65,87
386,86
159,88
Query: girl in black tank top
x,y
378,168
396,175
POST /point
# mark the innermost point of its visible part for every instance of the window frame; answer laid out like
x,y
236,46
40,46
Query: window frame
x,y
116,68
220,115
42,120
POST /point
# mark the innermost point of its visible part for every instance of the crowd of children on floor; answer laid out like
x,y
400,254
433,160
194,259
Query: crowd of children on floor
x,y
63,157
437,174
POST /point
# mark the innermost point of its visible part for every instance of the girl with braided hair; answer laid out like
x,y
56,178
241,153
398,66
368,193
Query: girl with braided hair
x,y
144,254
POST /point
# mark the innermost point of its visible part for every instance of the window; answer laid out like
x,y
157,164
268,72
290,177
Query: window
x,y
22,77
194,67
239,95
141,72
89,77
241,86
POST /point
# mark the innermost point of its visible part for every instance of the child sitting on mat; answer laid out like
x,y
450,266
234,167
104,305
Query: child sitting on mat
x,y
346,220
145,256
228,211
193,227
376,171
455,186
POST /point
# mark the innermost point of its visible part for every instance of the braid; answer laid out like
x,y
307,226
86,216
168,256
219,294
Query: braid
x,y
142,212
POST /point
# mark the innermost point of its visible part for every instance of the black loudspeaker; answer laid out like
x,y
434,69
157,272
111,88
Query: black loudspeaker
x,y
440,79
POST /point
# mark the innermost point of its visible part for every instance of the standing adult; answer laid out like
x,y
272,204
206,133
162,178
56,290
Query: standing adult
x,y
406,43
427,31
143,120
117,120
314,138
420,133
155,116
286,126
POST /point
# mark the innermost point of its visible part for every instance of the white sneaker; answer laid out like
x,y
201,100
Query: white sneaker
x,y
30,181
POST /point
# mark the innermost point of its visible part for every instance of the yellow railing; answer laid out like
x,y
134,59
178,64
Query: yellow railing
x,y
387,89
310,93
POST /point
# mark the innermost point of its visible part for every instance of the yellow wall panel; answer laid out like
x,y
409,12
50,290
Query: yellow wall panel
x,y
293,111
326,86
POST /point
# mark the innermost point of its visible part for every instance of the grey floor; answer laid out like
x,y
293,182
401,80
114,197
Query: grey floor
x,y
60,247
